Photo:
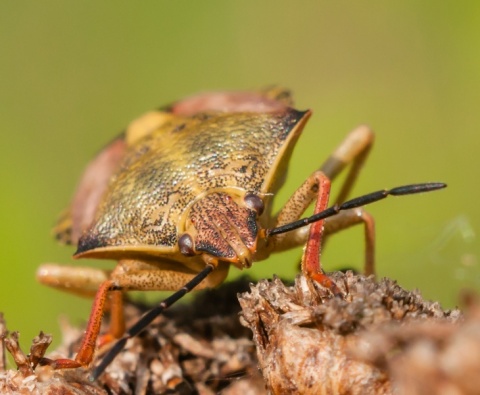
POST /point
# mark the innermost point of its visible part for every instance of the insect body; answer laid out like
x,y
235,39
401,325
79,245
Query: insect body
x,y
186,191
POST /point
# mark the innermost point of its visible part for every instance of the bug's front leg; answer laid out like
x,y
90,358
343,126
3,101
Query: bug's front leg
x,y
129,276
87,348
299,202
311,265
86,281
352,151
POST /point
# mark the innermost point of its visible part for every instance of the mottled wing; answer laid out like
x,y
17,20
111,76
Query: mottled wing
x,y
163,173
95,179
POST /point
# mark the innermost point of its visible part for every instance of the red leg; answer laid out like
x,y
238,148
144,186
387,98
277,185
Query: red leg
x,y
117,321
87,348
140,279
311,265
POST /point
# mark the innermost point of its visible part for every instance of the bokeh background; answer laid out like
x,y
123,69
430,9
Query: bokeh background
x,y
73,74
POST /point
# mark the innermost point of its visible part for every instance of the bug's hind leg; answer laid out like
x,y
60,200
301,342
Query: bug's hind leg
x,y
78,280
354,150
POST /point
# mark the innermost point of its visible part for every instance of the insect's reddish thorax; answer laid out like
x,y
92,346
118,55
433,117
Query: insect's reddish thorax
x,y
221,226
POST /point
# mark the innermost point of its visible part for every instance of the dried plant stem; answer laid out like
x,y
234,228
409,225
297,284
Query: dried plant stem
x,y
379,339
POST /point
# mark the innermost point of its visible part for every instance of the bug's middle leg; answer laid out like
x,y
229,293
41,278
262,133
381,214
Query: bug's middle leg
x,y
356,216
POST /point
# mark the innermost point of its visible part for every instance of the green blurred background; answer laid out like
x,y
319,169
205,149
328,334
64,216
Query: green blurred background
x,y
73,74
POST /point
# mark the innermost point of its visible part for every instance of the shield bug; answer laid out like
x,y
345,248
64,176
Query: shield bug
x,y
186,191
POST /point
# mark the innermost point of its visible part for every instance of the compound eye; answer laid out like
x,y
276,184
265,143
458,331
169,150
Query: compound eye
x,y
187,247
255,203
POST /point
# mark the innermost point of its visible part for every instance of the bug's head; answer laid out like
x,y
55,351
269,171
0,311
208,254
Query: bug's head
x,y
224,227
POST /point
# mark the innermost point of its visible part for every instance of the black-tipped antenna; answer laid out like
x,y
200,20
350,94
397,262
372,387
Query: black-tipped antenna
x,y
357,202
147,318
